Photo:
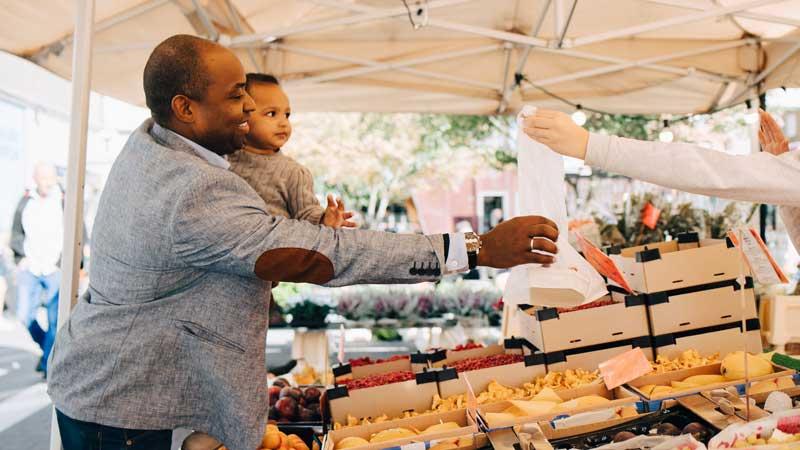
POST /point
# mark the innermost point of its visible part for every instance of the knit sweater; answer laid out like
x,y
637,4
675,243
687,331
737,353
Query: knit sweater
x,y
285,185
757,177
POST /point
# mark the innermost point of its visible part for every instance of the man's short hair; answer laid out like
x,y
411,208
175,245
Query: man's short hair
x,y
175,68
263,78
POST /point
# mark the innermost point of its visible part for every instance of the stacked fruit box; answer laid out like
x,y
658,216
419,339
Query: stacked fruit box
x,y
582,338
366,367
693,294
513,363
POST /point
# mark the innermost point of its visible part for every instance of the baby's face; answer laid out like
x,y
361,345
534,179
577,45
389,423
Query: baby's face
x,y
270,128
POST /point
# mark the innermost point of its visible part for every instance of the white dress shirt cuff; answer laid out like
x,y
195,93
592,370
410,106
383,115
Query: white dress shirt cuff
x,y
457,260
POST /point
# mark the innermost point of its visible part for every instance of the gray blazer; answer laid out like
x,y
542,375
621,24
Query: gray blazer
x,y
172,330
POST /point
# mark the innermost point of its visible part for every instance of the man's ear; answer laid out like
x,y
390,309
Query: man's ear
x,y
183,109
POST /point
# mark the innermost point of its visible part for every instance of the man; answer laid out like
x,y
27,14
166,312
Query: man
x,y
37,236
172,330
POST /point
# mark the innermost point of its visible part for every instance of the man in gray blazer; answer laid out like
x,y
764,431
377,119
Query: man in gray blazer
x,y
172,330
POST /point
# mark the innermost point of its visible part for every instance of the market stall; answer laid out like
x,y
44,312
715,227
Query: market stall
x,y
540,390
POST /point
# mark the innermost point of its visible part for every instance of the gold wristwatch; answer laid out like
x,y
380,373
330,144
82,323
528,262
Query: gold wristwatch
x,y
474,245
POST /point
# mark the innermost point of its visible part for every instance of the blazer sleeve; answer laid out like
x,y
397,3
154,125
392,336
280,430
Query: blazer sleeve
x,y
219,224
757,177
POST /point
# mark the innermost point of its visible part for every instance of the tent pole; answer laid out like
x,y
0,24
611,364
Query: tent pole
x,y
76,171
763,210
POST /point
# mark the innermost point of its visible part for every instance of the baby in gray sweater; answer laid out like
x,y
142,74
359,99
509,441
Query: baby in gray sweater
x,y
286,186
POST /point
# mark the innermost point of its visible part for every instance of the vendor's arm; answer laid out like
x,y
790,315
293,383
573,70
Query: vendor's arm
x,y
759,177
220,224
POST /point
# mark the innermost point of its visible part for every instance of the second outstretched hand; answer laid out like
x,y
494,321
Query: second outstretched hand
x,y
335,216
770,135
557,131
521,240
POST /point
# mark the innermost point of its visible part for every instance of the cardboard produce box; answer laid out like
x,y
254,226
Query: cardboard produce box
x,y
442,358
414,362
617,398
512,375
722,339
467,428
551,331
590,357
667,379
696,307
390,399
664,266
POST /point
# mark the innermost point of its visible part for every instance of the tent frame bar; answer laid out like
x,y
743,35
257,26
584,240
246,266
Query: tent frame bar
x,y
523,59
673,21
103,25
742,14
369,14
516,38
651,64
372,66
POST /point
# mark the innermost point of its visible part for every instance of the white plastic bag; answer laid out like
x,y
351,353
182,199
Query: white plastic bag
x,y
571,280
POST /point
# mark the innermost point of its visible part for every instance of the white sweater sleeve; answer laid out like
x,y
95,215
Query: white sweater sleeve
x,y
757,177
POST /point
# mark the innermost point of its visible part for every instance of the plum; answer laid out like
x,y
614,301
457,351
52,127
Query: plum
x,y
294,393
305,415
697,430
623,436
312,395
287,408
274,395
281,382
668,429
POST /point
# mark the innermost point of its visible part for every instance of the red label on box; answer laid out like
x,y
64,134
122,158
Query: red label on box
x,y
601,262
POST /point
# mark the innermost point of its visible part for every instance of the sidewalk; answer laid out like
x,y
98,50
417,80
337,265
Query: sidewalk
x,y
25,409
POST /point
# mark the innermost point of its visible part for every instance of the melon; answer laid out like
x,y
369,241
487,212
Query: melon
x,y
733,366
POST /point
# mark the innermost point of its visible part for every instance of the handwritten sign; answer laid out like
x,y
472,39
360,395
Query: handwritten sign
x,y
758,257
624,368
602,263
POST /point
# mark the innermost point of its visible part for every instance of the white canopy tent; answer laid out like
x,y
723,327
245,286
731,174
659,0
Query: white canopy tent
x,y
449,56
455,56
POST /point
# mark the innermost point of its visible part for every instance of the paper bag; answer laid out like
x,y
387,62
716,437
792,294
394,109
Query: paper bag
x,y
571,280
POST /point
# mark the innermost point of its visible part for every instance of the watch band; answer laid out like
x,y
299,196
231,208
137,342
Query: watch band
x,y
472,257
473,242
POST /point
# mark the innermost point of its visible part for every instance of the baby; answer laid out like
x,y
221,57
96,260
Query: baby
x,y
286,186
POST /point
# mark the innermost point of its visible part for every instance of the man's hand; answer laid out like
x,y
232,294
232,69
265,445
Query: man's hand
x,y
557,131
770,135
512,242
335,216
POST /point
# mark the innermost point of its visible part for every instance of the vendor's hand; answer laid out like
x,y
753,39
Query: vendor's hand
x,y
770,135
509,243
557,131
335,216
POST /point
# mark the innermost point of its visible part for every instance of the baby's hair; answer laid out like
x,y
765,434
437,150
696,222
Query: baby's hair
x,y
264,78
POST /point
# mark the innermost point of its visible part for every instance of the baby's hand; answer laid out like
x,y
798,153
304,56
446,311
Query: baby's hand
x,y
335,216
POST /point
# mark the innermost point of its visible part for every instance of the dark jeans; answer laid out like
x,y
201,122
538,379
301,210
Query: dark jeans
x,y
77,435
